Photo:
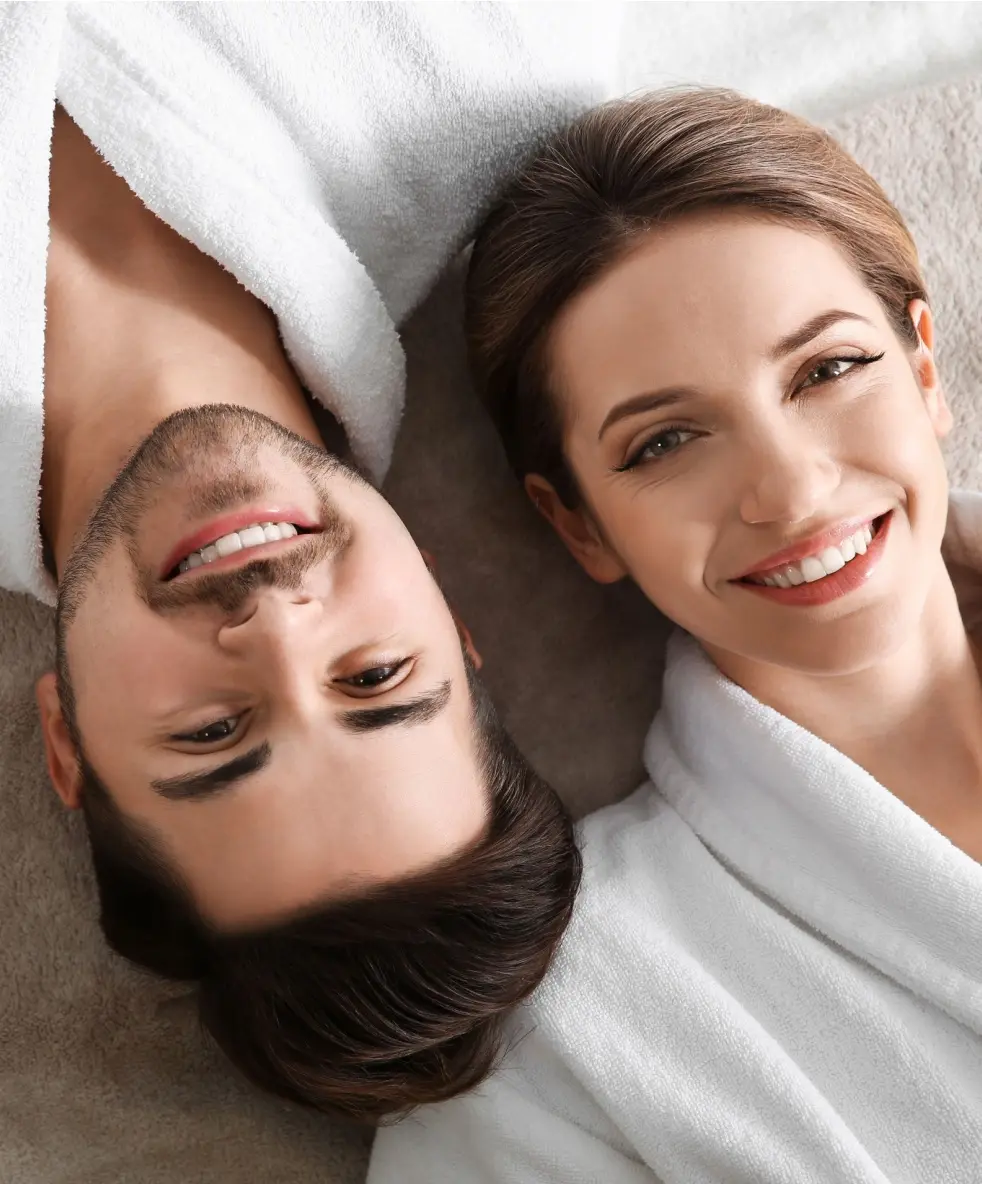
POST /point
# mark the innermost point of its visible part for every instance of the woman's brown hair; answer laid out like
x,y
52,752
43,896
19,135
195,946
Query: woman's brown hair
x,y
620,171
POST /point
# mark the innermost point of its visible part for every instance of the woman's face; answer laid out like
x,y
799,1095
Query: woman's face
x,y
755,446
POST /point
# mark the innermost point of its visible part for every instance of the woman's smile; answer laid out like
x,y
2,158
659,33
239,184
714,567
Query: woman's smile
x,y
824,575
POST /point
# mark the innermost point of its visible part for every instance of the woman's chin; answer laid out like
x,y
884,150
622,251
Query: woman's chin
x,y
839,647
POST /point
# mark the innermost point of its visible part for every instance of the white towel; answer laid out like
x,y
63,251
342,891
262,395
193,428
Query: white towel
x,y
774,975
30,39
333,157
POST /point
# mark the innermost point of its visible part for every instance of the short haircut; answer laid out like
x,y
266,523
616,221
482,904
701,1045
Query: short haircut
x,y
593,191
371,1006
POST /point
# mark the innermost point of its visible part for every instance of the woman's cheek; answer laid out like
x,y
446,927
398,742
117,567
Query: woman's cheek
x,y
659,558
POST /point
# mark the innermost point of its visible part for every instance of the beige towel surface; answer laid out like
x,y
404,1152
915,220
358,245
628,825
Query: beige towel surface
x,y
103,1076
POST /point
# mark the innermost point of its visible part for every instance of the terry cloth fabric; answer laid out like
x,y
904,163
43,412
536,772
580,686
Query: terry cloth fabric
x,y
333,157
774,974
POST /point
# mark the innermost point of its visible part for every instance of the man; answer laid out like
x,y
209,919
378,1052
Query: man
x,y
295,789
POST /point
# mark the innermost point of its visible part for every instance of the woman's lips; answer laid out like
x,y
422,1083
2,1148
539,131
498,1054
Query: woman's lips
x,y
813,545
831,587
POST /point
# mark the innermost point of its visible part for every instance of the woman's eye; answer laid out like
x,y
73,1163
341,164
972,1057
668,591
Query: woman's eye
x,y
221,729
833,368
827,370
375,677
665,442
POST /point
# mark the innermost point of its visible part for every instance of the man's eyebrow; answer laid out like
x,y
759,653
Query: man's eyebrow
x,y
414,711
810,329
655,400
198,786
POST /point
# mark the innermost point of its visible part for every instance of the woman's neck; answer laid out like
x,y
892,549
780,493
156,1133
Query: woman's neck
x,y
140,324
913,720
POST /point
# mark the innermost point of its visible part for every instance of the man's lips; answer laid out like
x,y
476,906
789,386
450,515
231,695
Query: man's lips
x,y
241,558
228,524
813,545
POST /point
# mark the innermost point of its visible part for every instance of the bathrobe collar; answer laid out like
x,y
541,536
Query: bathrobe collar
x,y
814,832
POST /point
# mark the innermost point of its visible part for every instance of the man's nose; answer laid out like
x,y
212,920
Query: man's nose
x,y
284,634
789,476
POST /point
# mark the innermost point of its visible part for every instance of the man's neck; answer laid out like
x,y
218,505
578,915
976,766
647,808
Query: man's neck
x,y
140,324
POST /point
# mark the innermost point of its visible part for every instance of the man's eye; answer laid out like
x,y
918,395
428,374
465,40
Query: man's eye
x,y
375,677
221,729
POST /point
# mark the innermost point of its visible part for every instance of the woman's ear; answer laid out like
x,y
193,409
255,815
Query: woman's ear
x,y
926,369
577,530
62,758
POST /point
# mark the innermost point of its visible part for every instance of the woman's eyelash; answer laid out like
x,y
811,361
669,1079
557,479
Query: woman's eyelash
x,y
635,458
852,360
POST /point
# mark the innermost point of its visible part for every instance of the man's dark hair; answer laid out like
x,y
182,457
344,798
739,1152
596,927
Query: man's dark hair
x,y
371,1006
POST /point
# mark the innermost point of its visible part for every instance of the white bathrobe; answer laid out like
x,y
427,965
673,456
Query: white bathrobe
x,y
333,157
773,976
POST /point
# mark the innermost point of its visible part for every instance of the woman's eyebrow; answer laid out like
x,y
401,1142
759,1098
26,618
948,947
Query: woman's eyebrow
x,y
648,401
811,329
198,786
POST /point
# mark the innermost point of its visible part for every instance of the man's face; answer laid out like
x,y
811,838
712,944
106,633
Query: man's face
x,y
291,720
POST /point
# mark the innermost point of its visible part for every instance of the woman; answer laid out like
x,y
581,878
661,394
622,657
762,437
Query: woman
x,y
703,334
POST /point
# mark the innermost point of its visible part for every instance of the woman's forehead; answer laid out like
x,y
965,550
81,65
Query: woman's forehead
x,y
701,293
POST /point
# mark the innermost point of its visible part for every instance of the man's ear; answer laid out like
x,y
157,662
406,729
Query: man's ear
x,y
577,530
465,634
60,752
926,369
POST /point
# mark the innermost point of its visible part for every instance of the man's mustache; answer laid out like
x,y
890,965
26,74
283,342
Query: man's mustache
x,y
230,591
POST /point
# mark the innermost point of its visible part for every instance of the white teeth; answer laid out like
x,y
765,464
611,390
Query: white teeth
x,y
240,540
812,569
817,567
831,559
228,544
252,536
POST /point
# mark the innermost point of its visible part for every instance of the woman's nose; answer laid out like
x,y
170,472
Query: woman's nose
x,y
789,477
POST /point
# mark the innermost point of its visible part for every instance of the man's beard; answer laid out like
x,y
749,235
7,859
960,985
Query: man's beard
x,y
182,449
